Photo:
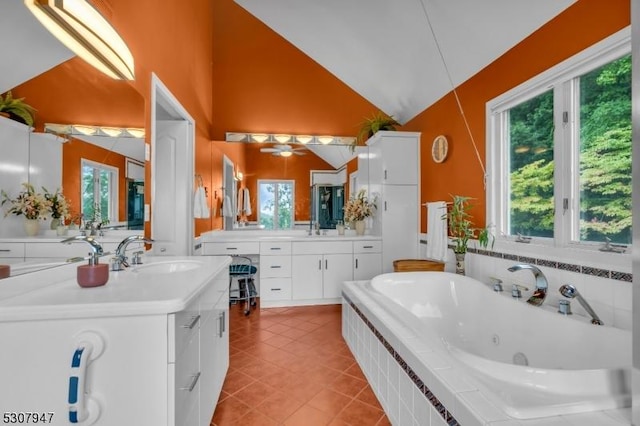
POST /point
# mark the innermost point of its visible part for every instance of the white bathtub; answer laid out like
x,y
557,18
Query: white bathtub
x,y
528,361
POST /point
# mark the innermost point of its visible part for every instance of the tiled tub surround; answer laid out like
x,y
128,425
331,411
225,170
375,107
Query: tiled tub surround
x,y
603,279
417,380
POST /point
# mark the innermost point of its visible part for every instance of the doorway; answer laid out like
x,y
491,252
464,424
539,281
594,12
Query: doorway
x,y
172,173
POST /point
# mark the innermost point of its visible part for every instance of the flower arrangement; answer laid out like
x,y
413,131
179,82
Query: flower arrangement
x,y
59,206
359,207
31,204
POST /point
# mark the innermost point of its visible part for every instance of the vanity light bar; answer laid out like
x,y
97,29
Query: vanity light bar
x,y
87,130
290,139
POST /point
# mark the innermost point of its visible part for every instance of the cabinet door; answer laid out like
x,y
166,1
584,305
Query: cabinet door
x,y
394,158
14,146
337,268
306,273
400,225
366,265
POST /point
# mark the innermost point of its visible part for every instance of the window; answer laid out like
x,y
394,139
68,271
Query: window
x,y
276,204
560,151
99,192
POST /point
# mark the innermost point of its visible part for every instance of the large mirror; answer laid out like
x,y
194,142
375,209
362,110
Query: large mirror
x,y
65,90
315,168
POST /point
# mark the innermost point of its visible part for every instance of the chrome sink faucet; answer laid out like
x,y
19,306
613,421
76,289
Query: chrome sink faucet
x,y
120,261
540,292
96,247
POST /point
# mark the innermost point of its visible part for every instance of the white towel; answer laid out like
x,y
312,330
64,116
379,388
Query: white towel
x,y
437,231
206,211
239,203
227,209
197,204
246,202
200,205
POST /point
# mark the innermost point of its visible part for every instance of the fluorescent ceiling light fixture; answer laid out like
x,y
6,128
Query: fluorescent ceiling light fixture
x,y
521,149
304,139
236,137
286,153
111,131
325,140
98,131
259,137
80,27
85,130
135,133
282,138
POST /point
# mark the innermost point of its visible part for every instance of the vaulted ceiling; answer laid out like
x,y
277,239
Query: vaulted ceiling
x,y
403,55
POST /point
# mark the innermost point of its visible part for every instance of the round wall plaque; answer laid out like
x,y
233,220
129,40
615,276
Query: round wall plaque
x,y
439,149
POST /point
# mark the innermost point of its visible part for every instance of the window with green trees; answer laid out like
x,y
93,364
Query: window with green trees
x,y
99,192
276,204
562,151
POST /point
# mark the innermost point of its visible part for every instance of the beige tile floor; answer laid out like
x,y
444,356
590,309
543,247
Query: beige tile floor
x,y
290,366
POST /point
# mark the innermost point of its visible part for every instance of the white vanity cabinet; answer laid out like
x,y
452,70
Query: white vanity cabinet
x,y
11,253
394,177
115,366
275,271
367,259
319,268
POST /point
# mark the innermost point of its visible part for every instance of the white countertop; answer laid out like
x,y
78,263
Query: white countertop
x,y
55,294
48,236
269,235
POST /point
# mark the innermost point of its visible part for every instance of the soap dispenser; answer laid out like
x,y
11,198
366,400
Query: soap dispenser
x,y
93,274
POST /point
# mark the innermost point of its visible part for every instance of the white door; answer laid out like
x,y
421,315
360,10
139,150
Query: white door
x,y
400,225
172,226
337,269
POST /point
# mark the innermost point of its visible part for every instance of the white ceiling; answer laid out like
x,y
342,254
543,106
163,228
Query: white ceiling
x,y
391,51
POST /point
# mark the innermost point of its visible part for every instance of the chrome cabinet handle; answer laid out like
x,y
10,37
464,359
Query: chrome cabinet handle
x,y
275,266
5,250
276,289
356,263
367,246
194,382
194,321
326,264
232,248
275,248
319,263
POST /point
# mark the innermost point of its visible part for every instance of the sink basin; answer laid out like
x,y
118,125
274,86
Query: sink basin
x,y
167,267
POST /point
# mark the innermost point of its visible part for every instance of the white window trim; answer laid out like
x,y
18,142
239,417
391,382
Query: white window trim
x,y
559,247
293,198
114,193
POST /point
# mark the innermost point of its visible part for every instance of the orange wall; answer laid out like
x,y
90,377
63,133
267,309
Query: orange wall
x,y
581,25
262,83
72,153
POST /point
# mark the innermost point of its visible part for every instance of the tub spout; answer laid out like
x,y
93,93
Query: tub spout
x,y
540,292
570,291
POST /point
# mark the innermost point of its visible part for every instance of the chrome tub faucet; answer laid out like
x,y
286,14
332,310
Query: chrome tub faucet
x,y
540,292
570,292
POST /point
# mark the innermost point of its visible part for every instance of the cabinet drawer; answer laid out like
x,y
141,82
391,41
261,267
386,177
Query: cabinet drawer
x,y
183,326
275,289
56,250
268,248
11,249
322,247
275,266
187,381
367,247
245,247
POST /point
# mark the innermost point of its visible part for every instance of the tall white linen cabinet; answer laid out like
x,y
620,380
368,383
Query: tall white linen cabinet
x,y
392,162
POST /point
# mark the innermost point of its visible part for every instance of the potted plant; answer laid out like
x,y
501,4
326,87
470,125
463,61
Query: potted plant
x,y
369,127
461,230
16,109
